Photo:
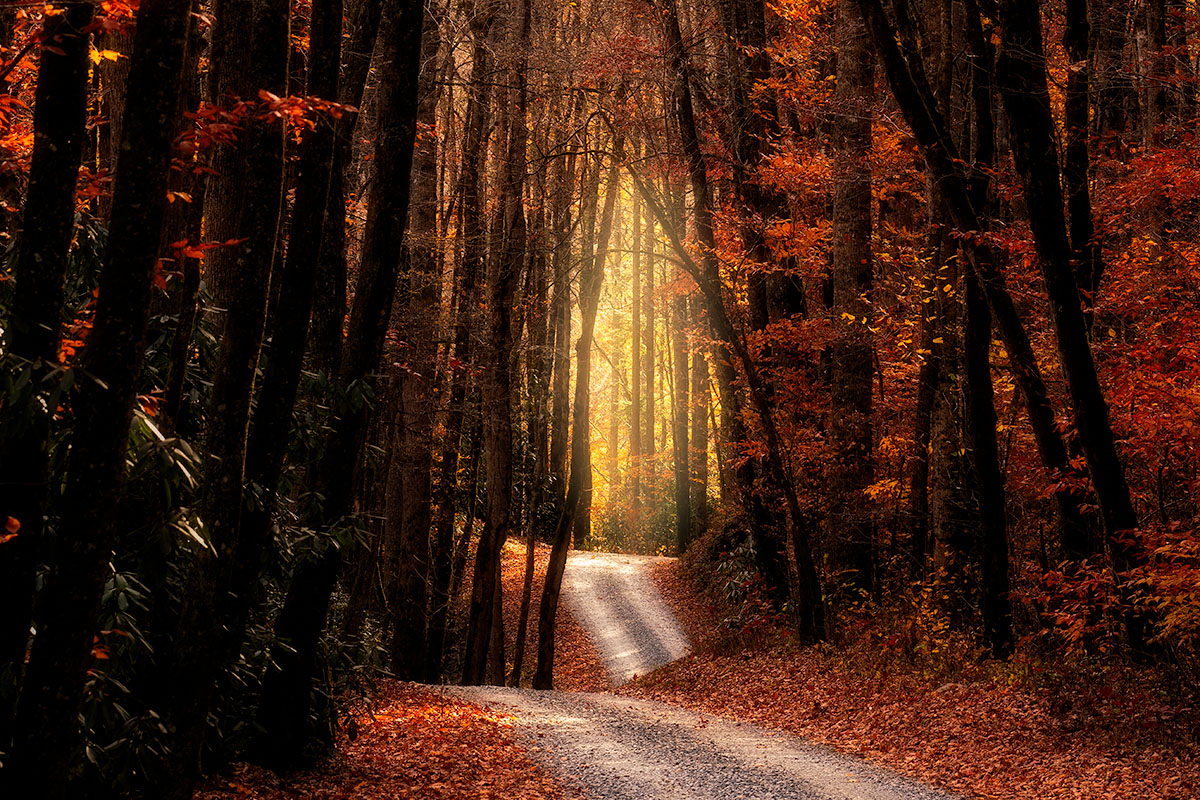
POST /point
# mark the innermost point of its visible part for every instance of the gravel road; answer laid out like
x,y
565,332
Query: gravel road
x,y
615,600
618,748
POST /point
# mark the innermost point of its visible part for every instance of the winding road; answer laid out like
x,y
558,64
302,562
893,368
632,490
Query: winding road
x,y
618,748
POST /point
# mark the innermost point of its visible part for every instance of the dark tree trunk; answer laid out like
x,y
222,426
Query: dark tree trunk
x,y
907,79
33,328
42,755
245,205
985,458
285,698
850,543
468,290
679,424
271,423
590,280
185,224
1021,73
498,430
1085,250
329,315
808,602
409,511
700,401
581,450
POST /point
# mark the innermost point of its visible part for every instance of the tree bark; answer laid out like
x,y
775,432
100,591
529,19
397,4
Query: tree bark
x,y
1021,74
850,545
590,280
33,328
468,288
700,402
408,515
43,751
679,424
284,707
245,206
498,431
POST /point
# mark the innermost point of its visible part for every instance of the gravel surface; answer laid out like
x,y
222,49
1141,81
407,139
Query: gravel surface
x,y
614,598
617,748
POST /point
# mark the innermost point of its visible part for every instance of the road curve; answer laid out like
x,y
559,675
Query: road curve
x,y
614,599
618,748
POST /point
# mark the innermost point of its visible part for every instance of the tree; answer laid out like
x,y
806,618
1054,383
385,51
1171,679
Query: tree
x,y
33,332
45,729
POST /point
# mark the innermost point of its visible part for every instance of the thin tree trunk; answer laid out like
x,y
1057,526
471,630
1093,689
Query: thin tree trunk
x,y
590,281
468,293
581,449
498,432
679,424
700,402
635,362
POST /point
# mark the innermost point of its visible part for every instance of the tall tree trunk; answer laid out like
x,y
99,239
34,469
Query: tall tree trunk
x,y
581,449
1085,249
908,83
329,315
851,530
635,362
1021,73
468,280
284,707
498,433
409,511
45,745
700,402
679,423
590,280
649,301
808,602
33,328
245,206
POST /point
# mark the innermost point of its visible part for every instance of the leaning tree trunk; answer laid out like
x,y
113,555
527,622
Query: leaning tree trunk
x,y
907,79
43,752
285,703
497,390
591,279
809,604
1021,73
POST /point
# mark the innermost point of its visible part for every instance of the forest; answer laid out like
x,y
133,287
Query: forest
x,y
884,314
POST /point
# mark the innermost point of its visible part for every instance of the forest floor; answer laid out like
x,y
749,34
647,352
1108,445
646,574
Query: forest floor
x,y
982,735
416,743
979,734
